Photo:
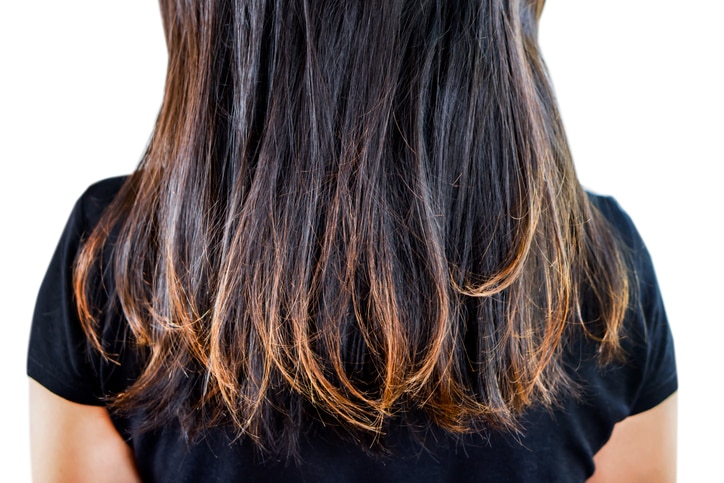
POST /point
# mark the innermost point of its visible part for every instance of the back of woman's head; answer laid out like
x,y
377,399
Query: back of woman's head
x,y
361,209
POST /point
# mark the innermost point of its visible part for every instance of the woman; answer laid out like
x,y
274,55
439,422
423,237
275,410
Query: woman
x,y
355,249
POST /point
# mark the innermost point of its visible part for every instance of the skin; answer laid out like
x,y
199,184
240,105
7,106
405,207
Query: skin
x,y
642,448
72,442
77,443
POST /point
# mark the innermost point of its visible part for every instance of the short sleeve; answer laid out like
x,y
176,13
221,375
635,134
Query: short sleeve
x,y
59,356
648,340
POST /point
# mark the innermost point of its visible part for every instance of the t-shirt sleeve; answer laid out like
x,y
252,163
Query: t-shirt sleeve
x,y
59,356
647,339
659,362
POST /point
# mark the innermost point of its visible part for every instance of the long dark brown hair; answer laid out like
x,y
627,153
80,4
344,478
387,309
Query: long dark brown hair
x,y
366,207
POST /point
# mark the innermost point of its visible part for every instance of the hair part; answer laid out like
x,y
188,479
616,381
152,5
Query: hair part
x,y
365,207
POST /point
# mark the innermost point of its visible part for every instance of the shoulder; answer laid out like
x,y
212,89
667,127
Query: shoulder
x,y
104,189
647,337
96,198
617,218
633,245
57,355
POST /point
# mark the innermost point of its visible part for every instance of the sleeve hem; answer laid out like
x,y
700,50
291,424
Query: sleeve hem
x,y
54,384
655,396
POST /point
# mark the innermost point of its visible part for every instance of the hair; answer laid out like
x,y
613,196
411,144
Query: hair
x,y
367,208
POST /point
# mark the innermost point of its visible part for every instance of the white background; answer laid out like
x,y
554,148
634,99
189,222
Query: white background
x,y
640,88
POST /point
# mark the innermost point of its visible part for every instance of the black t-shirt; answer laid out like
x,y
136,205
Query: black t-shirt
x,y
554,445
